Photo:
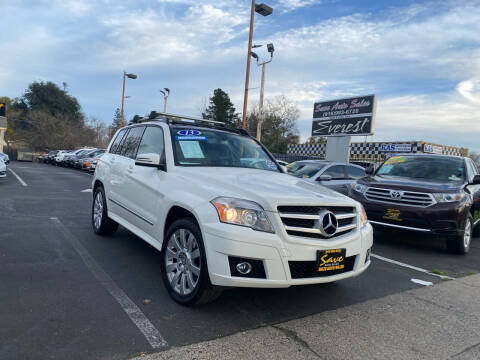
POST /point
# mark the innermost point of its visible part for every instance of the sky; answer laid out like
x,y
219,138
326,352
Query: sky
x,y
421,58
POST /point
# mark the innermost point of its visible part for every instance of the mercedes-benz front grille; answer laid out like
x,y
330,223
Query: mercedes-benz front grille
x,y
399,197
304,221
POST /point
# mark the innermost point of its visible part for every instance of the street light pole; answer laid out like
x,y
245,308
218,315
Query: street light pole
x,y
123,99
260,115
262,87
166,94
264,10
130,76
247,75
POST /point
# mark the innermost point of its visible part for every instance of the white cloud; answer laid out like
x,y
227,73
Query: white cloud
x,y
291,5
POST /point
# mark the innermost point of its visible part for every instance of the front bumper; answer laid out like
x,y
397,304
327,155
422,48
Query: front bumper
x,y
277,255
439,219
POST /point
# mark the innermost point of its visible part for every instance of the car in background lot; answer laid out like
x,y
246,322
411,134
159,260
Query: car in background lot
x,y
50,157
334,175
222,213
5,158
60,156
69,159
87,163
78,163
428,194
3,169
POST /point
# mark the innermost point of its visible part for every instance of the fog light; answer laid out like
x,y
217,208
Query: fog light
x,y
244,268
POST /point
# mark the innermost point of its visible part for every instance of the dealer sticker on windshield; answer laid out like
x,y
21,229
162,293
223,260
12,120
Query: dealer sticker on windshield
x,y
190,135
330,260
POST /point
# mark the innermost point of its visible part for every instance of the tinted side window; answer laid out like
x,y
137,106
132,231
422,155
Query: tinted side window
x,y
116,142
152,141
355,172
470,170
474,167
130,145
336,172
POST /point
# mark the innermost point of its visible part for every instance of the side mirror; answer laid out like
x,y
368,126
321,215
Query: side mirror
x,y
476,180
370,170
150,159
284,169
324,177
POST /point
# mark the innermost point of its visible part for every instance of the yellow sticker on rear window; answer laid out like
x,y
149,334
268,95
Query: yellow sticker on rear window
x,y
395,160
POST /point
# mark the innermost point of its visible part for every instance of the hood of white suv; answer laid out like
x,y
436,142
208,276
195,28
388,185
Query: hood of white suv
x,y
267,188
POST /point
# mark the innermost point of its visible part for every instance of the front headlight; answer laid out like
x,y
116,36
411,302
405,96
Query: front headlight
x,y
362,216
448,197
359,188
243,213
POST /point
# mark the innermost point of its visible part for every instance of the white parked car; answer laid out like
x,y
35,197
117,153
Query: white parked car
x,y
3,169
61,155
222,213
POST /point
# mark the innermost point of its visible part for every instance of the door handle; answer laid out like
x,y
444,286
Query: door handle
x,y
130,169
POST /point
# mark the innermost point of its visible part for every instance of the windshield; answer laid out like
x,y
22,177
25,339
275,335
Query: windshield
x,y
305,170
206,147
424,168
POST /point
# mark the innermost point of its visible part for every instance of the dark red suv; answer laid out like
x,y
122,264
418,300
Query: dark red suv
x,y
430,194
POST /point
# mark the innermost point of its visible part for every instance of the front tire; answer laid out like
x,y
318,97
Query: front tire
x,y
184,265
460,244
102,224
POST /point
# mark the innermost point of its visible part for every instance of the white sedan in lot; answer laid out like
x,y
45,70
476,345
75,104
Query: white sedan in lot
x,y
3,169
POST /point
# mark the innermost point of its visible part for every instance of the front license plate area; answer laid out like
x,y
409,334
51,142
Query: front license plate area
x,y
332,260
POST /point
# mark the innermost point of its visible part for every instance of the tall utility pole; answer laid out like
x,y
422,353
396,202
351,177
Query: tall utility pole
x,y
264,10
166,94
260,115
130,76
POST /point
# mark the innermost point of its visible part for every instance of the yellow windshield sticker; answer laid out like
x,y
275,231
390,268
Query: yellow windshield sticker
x,y
395,160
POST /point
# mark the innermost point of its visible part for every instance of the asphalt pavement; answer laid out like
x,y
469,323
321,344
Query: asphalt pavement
x,y
68,293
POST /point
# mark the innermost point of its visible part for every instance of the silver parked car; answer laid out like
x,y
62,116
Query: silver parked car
x,y
334,175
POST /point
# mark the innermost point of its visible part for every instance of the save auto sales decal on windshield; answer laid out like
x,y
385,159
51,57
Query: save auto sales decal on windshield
x,y
352,116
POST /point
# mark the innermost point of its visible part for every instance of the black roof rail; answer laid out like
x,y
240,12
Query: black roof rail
x,y
179,119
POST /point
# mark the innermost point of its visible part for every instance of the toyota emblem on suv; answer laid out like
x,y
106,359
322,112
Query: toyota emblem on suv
x,y
328,223
394,194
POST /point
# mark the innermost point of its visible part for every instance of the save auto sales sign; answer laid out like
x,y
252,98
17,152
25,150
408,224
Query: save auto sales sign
x,y
352,116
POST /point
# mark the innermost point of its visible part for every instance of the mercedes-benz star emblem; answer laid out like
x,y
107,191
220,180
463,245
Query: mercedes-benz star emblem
x,y
328,223
395,194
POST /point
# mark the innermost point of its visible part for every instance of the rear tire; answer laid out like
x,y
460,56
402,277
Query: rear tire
x,y
460,244
102,224
184,265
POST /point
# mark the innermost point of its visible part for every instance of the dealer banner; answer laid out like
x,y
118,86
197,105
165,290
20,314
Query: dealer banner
x,y
352,116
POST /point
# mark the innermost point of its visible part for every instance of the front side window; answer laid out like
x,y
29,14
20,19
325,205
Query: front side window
x,y
355,173
216,148
424,168
116,143
152,141
132,141
337,172
307,171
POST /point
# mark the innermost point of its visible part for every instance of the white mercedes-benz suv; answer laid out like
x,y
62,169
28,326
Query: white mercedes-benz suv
x,y
221,211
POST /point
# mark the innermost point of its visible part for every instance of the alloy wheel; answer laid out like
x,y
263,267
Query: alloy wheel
x,y
182,261
98,210
467,234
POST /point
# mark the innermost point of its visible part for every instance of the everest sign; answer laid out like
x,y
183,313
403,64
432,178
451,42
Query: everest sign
x,y
352,116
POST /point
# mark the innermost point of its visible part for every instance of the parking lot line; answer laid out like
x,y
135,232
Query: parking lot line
x,y
18,177
150,332
410,267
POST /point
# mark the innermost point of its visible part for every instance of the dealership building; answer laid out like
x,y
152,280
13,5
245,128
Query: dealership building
x,y
378,151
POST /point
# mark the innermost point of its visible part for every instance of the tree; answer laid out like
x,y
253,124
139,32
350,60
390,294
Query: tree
x,y
49,98
221,109
316,140
116,122
279,125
